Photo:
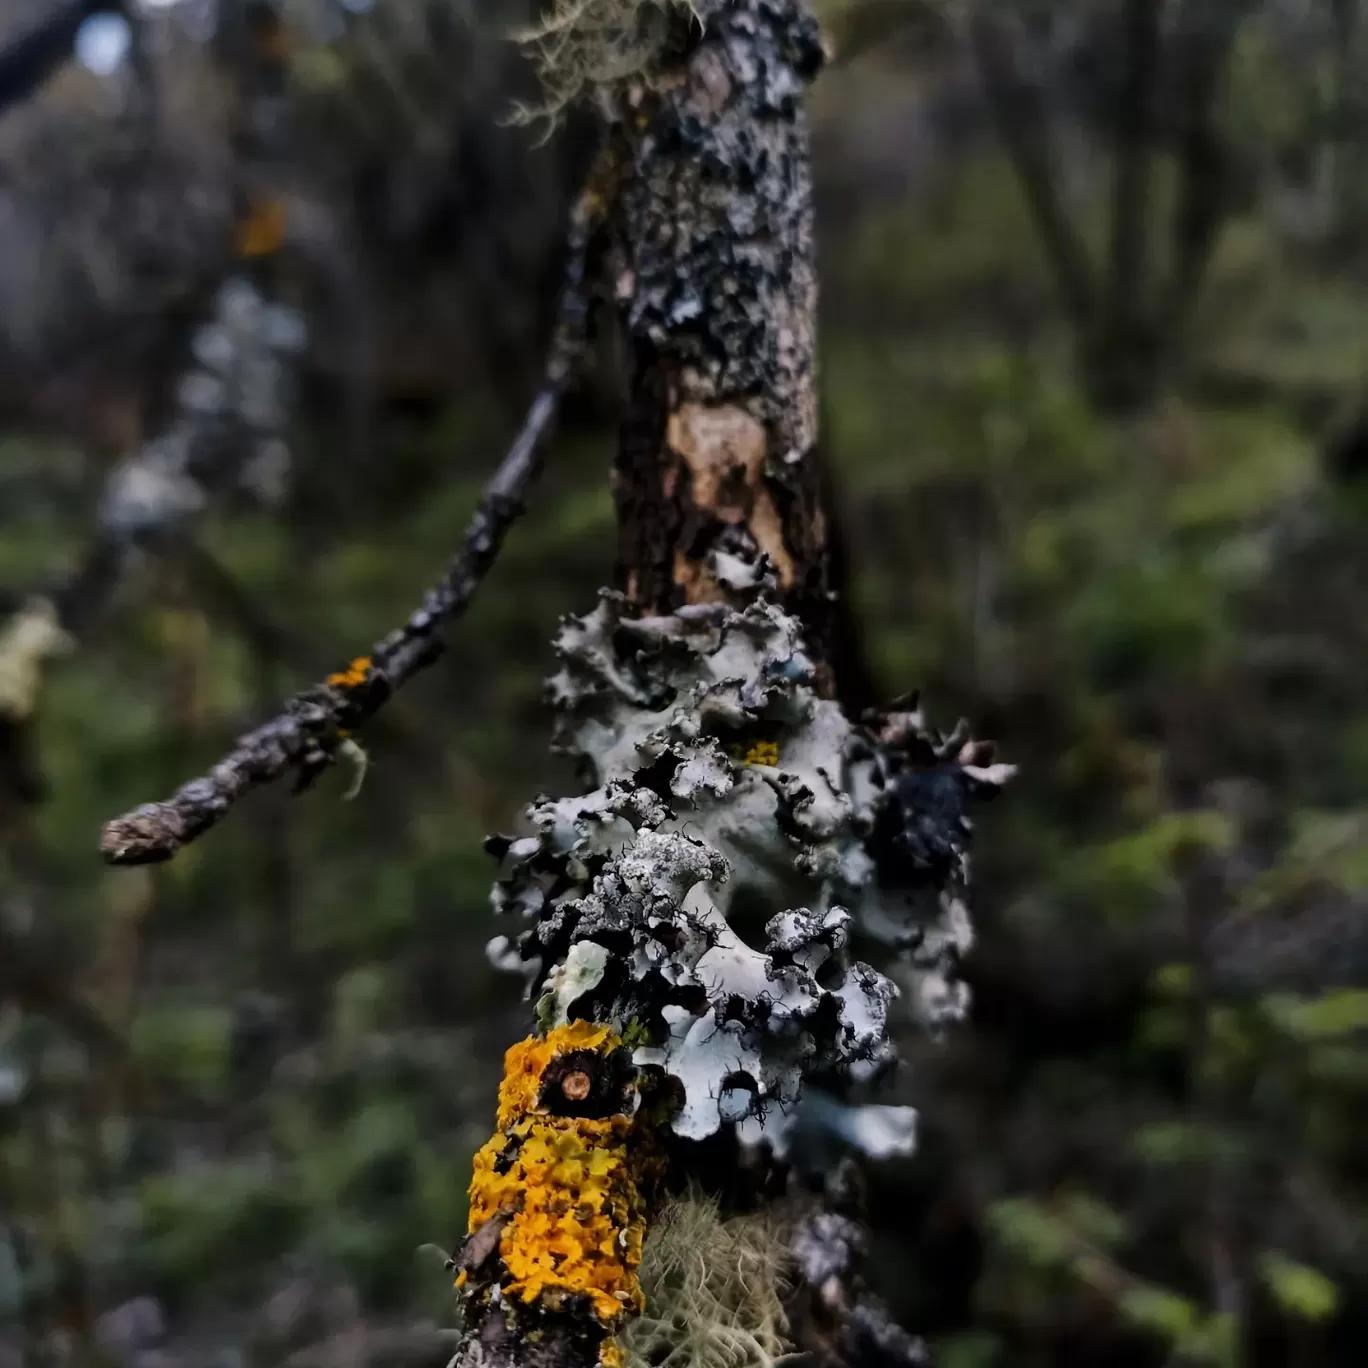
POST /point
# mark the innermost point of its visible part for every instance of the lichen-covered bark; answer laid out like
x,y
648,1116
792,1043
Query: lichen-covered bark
x,y
718,290
719,499
557,1202
697,702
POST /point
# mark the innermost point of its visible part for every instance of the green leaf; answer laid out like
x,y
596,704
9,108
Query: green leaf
x,y
1027,1229
975,1349
1173,980
1093,1220
1300,1289
188,1044
1163,1312
1325,1017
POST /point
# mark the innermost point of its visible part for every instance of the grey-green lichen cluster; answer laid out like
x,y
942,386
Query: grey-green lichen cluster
x,y
740,835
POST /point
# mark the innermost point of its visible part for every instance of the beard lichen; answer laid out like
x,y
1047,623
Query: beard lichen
x,y
585,46
714,1290
562,1178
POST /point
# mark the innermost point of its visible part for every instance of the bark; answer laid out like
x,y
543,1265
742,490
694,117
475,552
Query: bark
x,y
696,703
718,286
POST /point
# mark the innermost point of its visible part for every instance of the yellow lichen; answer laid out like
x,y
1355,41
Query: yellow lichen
x,y
757,753
525,1063
763,753
262,231
567,1186
355,674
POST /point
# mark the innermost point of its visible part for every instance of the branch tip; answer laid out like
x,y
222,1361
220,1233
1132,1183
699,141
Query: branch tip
x,y
314,728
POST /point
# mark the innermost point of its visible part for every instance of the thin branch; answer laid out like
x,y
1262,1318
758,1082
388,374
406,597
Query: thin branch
x,y
836,1314
307,736
1134,131
1204,158
1019,114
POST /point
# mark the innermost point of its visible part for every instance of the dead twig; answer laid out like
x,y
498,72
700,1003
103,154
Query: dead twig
x,y
308,734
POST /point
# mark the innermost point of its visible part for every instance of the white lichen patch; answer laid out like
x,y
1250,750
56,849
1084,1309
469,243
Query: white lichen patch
x,y
723,785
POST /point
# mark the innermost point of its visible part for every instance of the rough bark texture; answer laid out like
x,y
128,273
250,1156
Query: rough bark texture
x,y
719,291
717,286
697,705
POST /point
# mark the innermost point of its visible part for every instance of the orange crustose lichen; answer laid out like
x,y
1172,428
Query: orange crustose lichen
x,y
566,1186
353,675
262,232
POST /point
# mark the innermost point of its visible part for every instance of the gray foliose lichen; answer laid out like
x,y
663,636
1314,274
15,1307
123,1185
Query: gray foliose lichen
x,y
739,839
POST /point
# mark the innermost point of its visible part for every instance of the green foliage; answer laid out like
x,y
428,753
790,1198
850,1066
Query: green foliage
x,y
215,1222
1164,1313
1327,1016
976,1349
1030,1232
185,1045
1302,1291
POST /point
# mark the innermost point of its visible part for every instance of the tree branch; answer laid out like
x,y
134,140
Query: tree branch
x,y
1134,134
1203,157
836,1314
305,738
1019,114
696,701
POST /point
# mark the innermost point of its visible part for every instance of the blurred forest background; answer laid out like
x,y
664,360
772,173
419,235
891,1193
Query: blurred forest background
x,y
1095,343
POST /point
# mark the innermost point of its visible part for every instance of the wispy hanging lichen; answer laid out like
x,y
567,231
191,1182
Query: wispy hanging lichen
x,y
581,46
714,1290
